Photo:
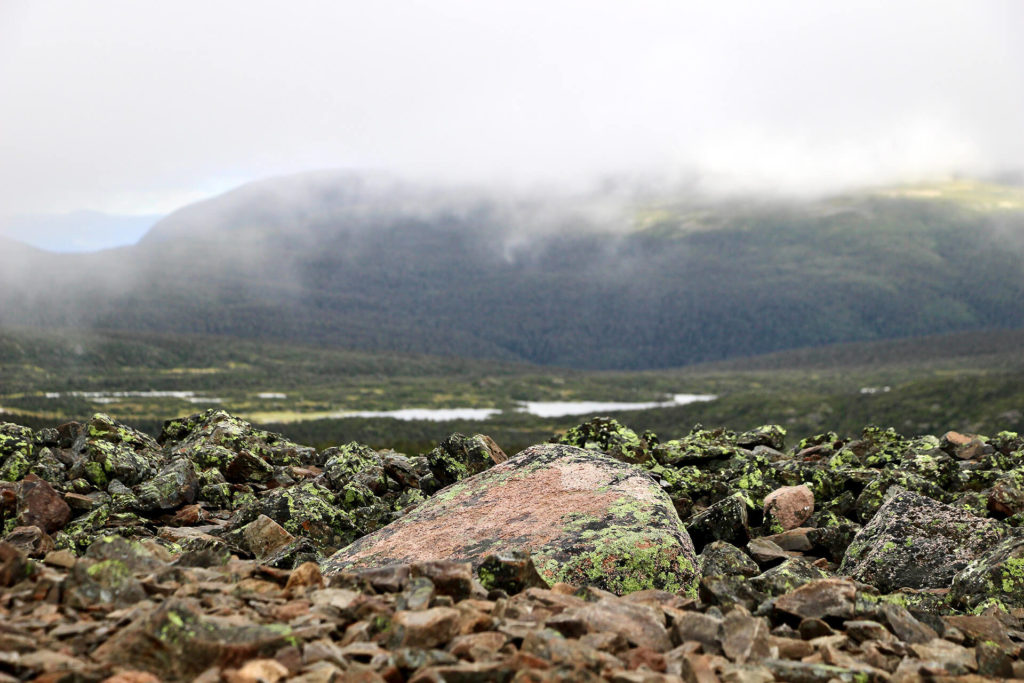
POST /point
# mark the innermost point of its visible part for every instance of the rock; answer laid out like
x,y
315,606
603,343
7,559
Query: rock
x,y
916,542
787,576
996,577
726,521
512,571
820,599
767,552
30,540
456,458
702,628
788,507
40,505
175,485
598,522
454,579
745,637
640,625
606,435
14,566
772,436
905,626
424,628
308,509
721,558
262,537
15,451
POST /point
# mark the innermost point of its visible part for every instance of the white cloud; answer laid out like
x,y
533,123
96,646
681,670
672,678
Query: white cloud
x,y
125,105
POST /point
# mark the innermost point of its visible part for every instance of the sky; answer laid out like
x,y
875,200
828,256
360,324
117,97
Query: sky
x,y
140,107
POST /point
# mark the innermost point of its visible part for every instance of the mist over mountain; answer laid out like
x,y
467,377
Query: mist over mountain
x,y
626,277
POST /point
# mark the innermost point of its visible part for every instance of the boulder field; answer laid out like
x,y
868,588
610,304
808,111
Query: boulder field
x,y
218,551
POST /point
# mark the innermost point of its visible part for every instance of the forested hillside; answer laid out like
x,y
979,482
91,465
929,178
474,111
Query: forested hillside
x,y
641,281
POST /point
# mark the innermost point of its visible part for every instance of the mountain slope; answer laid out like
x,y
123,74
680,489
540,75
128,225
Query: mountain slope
x,y
344,260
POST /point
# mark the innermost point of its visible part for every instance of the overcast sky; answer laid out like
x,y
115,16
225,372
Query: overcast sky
x,y
137,106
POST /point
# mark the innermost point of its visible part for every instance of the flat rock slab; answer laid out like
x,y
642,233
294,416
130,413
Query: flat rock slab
x,y
585,518
916,542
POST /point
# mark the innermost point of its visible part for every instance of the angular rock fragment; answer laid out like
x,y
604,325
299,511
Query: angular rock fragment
x,y
916,542
788,507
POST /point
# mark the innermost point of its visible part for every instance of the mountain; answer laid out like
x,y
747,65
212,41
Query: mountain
x,y
627,280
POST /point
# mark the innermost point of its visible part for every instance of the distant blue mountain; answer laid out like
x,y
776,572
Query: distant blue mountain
x,y
77,232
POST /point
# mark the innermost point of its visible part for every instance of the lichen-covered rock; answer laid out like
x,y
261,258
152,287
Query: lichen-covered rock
x,y
725,520
15,451
607,435
243,453
995,578
308,510
586,518
115,451
721,558
175,485
456,458
916,542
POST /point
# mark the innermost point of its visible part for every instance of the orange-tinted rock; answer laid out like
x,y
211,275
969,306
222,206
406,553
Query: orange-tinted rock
x,y
585,517
789,506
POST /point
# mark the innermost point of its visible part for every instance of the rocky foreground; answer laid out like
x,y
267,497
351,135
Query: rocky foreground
x,y
222,552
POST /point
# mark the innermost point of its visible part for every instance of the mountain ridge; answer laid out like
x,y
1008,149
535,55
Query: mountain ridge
x,y
656,281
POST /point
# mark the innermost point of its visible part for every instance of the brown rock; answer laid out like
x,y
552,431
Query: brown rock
x,y
818,599
702,628
258,671
766,551
950,656
30,540
641,625
905,626
132,677
477,645
793,539
745,637
454,579
305,577
789,506
980,628
425,628
39,505
263,536
14,566
175,641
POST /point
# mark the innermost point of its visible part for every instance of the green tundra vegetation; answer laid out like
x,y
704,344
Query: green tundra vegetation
x,y
966,381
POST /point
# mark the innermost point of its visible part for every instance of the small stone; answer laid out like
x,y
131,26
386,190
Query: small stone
x,y
14,566
702,628
953,658
40,505
789,506
721,558
264,536
454,579
259,671
905,626
819,599
745,637
512,571
641,625
305,577
426,628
